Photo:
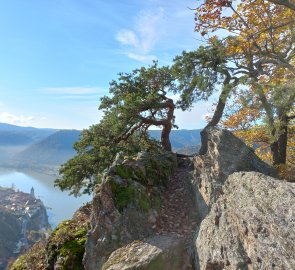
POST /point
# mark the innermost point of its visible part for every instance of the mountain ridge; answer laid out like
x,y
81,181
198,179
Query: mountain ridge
x,y
30,147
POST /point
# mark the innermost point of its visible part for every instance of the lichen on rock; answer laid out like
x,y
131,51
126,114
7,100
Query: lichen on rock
x,y
156,253
251,226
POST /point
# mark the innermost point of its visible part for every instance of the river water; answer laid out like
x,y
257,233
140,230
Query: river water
x,y
60,205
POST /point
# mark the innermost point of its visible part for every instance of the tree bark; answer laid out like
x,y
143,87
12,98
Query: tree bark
x,y
279,147
165,140
166,123
217,113
165,136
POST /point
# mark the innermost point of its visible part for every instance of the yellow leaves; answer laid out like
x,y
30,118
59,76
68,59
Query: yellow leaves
x,y
246,124
259,26
242,118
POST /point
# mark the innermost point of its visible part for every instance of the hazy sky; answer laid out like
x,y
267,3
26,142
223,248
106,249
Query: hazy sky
x,y
57,57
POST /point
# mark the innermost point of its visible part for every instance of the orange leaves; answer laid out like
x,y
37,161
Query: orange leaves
x,y
259,50
247,124
243,119
259,26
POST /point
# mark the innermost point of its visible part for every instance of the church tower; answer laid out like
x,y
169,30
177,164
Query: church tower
x,y
32,193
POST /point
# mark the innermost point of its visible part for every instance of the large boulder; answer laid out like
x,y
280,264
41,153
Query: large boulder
x,y
251,226
161,252
224,155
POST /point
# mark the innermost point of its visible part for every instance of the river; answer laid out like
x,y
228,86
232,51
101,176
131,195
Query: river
x,y
60,205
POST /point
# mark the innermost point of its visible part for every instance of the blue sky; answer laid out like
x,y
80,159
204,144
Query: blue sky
x,y
58,56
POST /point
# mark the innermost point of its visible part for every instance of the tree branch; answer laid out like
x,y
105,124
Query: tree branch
x,y
287,3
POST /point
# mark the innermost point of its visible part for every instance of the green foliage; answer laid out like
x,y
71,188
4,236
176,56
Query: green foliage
x,y
200,72
67,244
124,171
123,195
132,180
138,100
35,258
133,194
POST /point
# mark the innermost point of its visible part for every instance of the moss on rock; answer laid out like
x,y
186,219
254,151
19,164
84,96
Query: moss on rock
x,y
133,194
63,250
133,180
35,258
66,245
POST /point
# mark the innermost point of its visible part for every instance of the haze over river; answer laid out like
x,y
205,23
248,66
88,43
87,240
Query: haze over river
x,y
60,205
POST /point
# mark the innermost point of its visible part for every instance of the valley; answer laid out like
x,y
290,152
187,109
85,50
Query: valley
x,y
44,150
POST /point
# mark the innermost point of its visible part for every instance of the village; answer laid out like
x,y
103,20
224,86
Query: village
x,y
23,221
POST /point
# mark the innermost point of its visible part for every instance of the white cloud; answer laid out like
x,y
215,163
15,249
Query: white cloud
x,y
127,37
195,117
142,57
148,29
16,119
73,90
149,26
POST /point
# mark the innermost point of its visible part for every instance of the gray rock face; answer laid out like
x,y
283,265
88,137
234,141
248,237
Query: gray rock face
x,y
157,253
251,226
126,204
225,154
248,218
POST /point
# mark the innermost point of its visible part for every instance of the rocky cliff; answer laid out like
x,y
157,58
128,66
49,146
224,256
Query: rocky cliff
x,y
23,221
251,226
128,226
247,216
223,209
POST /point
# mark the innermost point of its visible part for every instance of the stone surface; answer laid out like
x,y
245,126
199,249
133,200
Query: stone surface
x,y
225,154
163,252
126,205
251,226
178,213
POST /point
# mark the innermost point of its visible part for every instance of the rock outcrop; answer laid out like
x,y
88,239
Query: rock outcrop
x,y
163,252
127,204
138,206
251,226
225,154
248,219
23,221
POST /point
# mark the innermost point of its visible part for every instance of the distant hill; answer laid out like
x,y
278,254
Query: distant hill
x,y
180,138
11,138
16,135
188,150
46,149
58,147
14,139
53,150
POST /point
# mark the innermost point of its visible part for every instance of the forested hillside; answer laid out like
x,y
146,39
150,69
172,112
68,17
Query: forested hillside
x,y
26,147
